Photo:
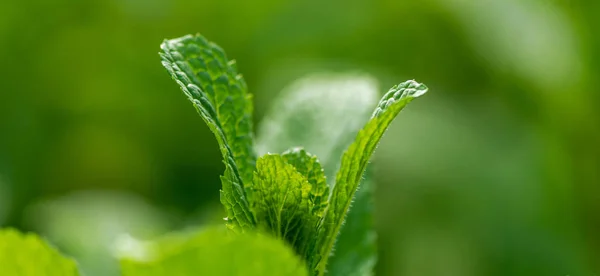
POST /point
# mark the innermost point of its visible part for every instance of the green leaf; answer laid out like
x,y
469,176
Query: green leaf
x,y
215,252
212,84
355,160
355,252
282,203
308,165
27,254
323,113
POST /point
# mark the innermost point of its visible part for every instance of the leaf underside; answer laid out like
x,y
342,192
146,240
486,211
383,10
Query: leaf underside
x,y
219,93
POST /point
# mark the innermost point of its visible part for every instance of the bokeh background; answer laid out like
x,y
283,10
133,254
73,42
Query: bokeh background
x,y
496,171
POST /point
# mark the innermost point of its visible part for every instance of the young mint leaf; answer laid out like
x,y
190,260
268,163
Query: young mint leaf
x,y
283,204
323,112
308,165
354,163
213,251
28,255
212,84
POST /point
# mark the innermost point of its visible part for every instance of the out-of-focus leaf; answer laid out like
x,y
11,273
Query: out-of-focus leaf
x,y
323,113
28,255
215,252
69,221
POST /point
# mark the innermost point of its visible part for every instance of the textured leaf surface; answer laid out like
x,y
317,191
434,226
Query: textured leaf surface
x,y
216,252
355,159
282,203
308,165
323,113
28,255
212,84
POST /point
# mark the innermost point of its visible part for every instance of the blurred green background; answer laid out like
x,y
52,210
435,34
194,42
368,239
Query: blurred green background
x,y
495,172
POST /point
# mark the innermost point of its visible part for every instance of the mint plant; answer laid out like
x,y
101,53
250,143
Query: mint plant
x,y
286,195
287,211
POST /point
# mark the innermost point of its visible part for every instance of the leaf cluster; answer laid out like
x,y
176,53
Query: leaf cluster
x,y
287,195
285,211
